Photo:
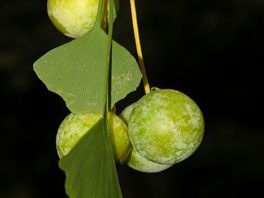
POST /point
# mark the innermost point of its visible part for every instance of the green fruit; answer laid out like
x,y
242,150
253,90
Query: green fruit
x,y
125,114
119,136
74,18
139,163
166,126
74,126
134,159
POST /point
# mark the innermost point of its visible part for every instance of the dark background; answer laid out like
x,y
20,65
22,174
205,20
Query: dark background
x,y
210,50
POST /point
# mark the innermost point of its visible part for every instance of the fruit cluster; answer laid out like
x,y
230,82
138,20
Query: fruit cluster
x,y
163,128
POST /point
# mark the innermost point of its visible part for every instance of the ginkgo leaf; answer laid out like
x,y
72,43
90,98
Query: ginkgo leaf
x,y
76,71
126,74
90,167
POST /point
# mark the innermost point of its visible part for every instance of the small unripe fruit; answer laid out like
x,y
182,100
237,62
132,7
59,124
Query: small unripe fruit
x,y
74,18
139,163
166,126
125,114
134,159
74,126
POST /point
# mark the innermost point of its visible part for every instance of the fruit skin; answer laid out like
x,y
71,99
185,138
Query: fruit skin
x,y
125,114
166,126
134,159
74,18
119,136
139,163
74,126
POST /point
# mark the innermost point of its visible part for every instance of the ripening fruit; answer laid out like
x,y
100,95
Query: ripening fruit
x,y
139,163
166,126
134,159
125,114
74,18
74,126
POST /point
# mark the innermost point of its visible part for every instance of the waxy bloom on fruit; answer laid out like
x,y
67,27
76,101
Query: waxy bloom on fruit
x,y
134,159
166,126
139,163
74,126
74,18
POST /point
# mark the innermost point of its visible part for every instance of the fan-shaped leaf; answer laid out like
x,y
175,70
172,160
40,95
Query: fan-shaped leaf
x,y
76,71
90,166
126,74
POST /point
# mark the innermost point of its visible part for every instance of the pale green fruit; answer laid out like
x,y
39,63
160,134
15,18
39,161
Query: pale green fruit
x,y
139,163
74,126
125,114
74,18
134,159
119,136
166,126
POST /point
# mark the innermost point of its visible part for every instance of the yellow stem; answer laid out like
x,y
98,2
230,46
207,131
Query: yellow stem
x,y
104,16
113,109
138,46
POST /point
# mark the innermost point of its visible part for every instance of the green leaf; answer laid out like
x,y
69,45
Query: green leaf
x,y
126,74
76,71
90,166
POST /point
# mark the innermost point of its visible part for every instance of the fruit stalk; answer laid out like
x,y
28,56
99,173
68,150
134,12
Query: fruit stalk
x,y
109,50
138,46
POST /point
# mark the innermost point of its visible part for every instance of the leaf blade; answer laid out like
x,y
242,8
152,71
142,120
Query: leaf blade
x,y
73,71
92,174
76,72
126,74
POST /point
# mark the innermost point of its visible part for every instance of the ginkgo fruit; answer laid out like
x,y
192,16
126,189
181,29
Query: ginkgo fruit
x,y
133,159
74,18
166,126
75,125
